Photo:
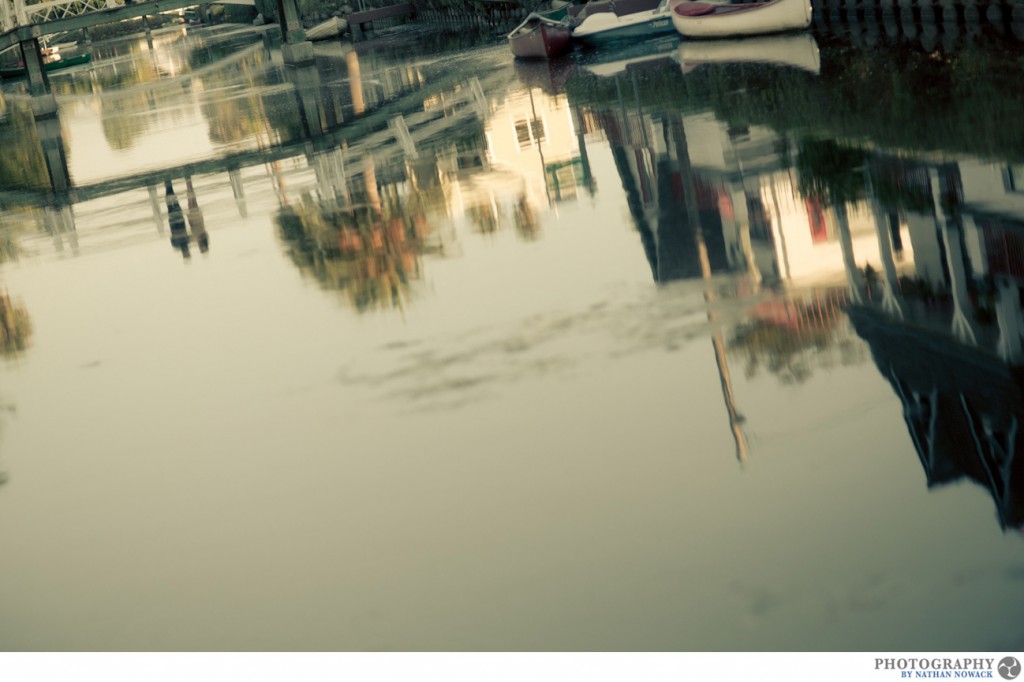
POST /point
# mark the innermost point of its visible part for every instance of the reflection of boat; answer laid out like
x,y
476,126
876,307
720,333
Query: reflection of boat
x,y
604,27
799,51
696,19
331,28
539,37
18,71
648,51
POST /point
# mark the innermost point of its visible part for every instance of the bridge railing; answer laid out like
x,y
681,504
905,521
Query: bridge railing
x,y
14,13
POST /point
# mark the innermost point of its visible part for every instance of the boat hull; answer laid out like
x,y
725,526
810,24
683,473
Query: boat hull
x,y
606,27
539,39
705,20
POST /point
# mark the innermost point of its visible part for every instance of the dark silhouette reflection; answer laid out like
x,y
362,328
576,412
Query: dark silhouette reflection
x,y
963,411
176,219
196,221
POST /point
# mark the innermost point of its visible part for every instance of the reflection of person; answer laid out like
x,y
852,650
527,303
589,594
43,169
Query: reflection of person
x,y
196,222
179,235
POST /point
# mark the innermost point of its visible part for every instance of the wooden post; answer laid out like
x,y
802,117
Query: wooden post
x,y
296,49
38,83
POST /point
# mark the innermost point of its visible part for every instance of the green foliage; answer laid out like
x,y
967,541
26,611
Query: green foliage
x,y
830,172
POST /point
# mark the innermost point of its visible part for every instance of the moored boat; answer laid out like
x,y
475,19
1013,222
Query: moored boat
x,y
698,19
62,63
539,37
605,27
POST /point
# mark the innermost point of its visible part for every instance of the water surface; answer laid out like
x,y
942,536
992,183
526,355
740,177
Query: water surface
x,y
682,347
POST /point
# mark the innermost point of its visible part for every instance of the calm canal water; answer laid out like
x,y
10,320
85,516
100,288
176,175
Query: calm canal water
x,y
705,346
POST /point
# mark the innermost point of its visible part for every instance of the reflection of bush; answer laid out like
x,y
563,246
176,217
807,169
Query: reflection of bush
x,y
783,340
22,164
369,255
15,326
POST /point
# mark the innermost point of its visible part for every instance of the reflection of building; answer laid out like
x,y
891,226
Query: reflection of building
x,y
530,157
948,338
963,410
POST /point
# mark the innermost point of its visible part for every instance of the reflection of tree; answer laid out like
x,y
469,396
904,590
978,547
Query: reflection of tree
x,y
785,336
15,326
22,163
483,218
971,98
232,119
526,220
371,255
829,172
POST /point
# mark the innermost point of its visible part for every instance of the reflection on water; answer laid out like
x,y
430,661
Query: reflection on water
x,y
543,432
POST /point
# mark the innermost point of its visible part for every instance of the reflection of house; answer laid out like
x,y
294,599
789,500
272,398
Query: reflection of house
x,y
962,409
949,341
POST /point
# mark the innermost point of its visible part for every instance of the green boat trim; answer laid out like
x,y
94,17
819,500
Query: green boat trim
x,y
19,71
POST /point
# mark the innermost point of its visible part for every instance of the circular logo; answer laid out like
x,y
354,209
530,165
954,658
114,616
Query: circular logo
x,y
1009,668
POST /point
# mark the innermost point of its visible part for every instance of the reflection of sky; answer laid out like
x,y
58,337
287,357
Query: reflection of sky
x,y
167,140
536,455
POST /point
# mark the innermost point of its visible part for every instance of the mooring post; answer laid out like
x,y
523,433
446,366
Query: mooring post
x,y
296,50
43,102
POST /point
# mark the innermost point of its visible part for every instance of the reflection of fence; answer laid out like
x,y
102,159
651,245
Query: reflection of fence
x,y
932,23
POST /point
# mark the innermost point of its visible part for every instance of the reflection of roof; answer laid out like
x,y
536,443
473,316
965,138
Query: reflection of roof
x,y
962,407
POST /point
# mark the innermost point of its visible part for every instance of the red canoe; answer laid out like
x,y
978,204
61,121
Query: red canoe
x,y
540,38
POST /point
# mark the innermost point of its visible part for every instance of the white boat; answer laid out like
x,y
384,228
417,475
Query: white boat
x,y
331,28
605,27
798,51
697,19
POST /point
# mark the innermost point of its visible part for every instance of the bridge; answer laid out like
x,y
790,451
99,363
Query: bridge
x,y
71,15
15,13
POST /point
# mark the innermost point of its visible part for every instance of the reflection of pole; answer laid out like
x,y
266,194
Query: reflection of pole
x,y
154,204
853,275
781,232
238,189
718,343
533,128
725,376
60,220
741,218
1008,317
588,178
890,302
962,328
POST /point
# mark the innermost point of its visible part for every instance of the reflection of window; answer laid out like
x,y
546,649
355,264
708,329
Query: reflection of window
x,y
529,132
